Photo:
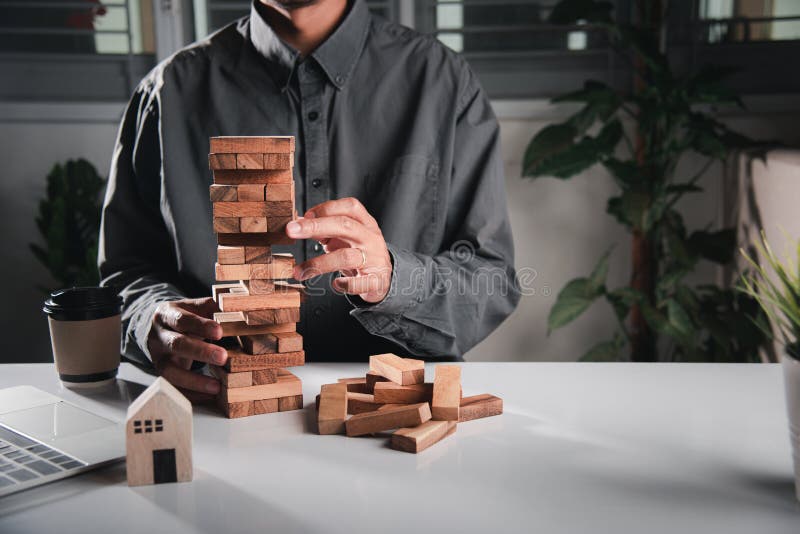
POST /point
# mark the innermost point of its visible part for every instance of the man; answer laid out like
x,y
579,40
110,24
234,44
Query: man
x,y
398,174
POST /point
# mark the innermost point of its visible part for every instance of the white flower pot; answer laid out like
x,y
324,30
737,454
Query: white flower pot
x,y
791,378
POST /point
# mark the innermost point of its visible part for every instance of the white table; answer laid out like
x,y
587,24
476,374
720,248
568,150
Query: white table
x,y
593,448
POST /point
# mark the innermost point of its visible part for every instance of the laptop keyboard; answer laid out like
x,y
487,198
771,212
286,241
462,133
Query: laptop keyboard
x,y
22,459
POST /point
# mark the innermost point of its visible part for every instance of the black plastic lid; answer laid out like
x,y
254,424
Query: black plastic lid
x,y
83,303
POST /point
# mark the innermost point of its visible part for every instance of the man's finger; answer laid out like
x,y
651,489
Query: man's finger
x,y
358,285
339,260
339,226
182,320
349,207
181,378
182,346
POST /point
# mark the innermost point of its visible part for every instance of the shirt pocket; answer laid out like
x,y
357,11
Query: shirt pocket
x,y
405,200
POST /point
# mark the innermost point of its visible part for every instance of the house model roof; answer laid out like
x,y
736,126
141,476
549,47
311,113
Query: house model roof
x,y
159,387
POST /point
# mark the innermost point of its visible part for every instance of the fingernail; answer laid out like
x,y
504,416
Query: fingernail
x,y
212,387
297,272
293,227
221,356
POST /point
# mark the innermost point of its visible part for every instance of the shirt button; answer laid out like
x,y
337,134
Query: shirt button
x,y
316,182
313,115
317,247
340,79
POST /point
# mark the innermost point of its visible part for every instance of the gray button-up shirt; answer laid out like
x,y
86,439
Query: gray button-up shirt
x,y
381,113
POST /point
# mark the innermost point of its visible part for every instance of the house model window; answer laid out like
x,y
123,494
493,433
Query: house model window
x,y
147,426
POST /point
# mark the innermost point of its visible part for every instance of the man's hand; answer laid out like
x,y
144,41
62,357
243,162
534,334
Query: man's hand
x,y
353,244
176,339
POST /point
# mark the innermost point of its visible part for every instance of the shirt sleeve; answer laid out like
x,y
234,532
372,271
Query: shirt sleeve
x,y
135,250
443,305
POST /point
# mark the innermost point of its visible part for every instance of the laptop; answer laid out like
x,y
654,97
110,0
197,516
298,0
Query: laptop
x,y
45,438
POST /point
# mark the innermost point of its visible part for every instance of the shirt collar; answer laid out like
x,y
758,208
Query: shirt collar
x,y
337,55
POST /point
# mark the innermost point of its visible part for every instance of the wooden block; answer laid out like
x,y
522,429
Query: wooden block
x,y
249,161
160,418
266,317
236,177
219,289
249,271
254,239
479,406
261,287
289,342
230,255
419,438
265,406
353,380
240,209
278,192
373,378
361,403
241,361
233,410
391,393
231,380
243,144
265,376
270,301
253,225
278,224
259,344
286,385
257,255
293,402
446,392
278,161
332,409
221,161
387,419
233,324
355,385
403,371
226,225
249,192
223,193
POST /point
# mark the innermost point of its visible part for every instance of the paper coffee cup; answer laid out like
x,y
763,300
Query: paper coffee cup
x,y
85,332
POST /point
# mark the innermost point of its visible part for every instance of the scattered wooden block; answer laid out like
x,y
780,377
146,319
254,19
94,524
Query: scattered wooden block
x,y
446,392
253,225
289,342
223,193
287,404
391,393
234,410
286,385
259,344
256,144
236,177
233,324
249,161
332,409
387,419
221,161
249,271
373,378
267,317
230,255
270,301
419,438
254,239
361,403
355,385
257,255
231,380
264,376
226,225
250,192
158,436
278,192
241,361
263,406
479,406
403,371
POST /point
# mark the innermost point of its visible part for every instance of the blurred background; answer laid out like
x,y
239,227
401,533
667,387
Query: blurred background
x,y
69,66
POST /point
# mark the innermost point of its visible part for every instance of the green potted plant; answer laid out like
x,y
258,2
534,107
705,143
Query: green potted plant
x,y
776,287
640,134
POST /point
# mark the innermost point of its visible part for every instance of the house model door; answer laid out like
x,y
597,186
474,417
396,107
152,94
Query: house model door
x,y
164,467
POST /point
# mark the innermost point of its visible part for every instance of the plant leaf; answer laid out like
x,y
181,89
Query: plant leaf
x,y
606,351
716,246
550,140
572,301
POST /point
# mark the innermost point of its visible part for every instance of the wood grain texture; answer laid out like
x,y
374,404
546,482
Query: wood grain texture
x,y
221,161
289,342
279,192
403,371
241,361
219,289
259,344
231,380
278,161
275,300
244,144
263,406
446,400
264,376
287,404
278,224
419,438
479,406
286,385
223,193
233,324
332,409
267,317
356,385
236,177
373,378
361,403
253,225
387,419
230,255
226,225
250,192
248,271
254,239
249,161
236,409
391,393
257,255
240,209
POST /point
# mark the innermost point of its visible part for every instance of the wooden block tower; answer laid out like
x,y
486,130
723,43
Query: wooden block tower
x,y
253,200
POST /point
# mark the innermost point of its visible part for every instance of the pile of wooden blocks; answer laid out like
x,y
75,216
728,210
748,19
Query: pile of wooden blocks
x,y
394,395
253,200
